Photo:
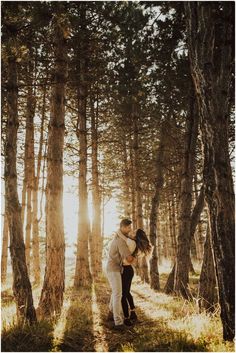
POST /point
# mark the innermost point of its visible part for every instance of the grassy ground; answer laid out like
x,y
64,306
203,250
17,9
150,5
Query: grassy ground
x,y
167,324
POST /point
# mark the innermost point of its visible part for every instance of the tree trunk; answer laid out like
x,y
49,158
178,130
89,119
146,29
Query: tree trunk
x,y
29,170
147,210
169,287
96,254
210,29
23,203
174,216
21,283
82,271
159,181
35,236
184,241
207,283
142,266
137,184
51,300
28,229
126,180
133,203
196,240
199,240
5,240
170,224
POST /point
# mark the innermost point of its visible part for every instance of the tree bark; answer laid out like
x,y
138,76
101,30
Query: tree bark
x,y
96,255
159,181
82,271
174,216
126,180
196,213
21,284
137,184
142,266
207,284
35,235
133,203
29,160
5,240
51,299
210,29
184,240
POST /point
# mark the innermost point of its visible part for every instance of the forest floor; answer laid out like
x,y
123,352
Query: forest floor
x,y
167,323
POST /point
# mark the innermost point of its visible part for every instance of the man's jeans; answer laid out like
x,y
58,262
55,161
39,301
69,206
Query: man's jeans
x,y
115,306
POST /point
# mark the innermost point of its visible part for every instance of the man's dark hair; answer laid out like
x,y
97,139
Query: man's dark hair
x,y
125,222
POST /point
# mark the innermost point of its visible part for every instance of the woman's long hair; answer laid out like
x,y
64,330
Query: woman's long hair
x,y
142,242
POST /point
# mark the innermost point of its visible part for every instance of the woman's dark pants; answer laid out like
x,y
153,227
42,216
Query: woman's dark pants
x,y
127,276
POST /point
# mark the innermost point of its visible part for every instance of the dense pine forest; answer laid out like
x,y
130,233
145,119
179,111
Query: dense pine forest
x,y
117,110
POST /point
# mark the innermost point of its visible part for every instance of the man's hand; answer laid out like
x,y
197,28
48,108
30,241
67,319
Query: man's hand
x,y
130,259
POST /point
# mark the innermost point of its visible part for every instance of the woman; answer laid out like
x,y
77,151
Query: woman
x,y
139,247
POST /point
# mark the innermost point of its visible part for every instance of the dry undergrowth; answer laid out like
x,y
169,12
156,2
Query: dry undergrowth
x,y
167,324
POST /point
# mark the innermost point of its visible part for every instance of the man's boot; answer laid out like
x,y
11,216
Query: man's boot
x,y
133,316
120,328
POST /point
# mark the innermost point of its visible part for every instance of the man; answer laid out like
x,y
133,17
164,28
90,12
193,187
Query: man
x,y
118,252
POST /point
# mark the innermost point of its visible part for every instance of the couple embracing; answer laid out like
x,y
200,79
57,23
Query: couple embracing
x,y
122,258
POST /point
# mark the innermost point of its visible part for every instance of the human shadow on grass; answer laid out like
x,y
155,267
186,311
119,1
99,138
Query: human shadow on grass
x,y
146,336
78,334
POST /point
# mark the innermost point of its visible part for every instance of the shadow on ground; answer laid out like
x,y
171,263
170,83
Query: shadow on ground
x,y
78,332
146,336
36,338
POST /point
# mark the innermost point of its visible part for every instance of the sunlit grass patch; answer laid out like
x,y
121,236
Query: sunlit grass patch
x,y
202,329
7,297
127,347
8,315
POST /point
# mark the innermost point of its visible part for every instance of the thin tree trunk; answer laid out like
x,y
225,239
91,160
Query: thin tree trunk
x,y
21,283
23,203
82,271
28,229
159,181
207,284
138,189
170,223
169,287
5,241
96,255
133,203
35,236
210,29
51,299
126,181
200,241
174,216
147,209
29,169
198,235
184,241
142,265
